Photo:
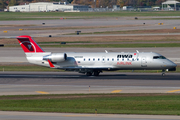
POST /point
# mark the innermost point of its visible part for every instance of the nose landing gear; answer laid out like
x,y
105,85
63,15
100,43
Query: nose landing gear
x,y
163,73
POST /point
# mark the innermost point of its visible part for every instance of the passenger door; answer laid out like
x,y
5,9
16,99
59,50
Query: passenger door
x,y
143,62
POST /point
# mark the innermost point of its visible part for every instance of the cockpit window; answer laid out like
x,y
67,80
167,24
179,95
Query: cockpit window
x,y
159,57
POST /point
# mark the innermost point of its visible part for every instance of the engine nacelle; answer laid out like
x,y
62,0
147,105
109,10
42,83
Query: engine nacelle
x,y
56,57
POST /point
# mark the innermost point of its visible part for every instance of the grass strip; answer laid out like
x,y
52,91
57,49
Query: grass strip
x,y
152,104
55,15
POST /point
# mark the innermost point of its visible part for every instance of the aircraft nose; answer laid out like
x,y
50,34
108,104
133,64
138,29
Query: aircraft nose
x,y
174,65
171,64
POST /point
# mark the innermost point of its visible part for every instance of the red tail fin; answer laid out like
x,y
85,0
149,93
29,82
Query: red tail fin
x,y
28,44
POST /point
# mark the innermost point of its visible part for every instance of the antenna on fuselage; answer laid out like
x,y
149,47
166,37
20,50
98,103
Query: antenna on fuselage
x,y
137,51
106,51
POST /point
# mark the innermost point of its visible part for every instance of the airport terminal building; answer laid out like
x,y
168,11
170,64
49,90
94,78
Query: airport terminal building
x,y
47,7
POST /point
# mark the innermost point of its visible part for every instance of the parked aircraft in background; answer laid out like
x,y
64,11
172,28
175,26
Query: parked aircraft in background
x,y
94,63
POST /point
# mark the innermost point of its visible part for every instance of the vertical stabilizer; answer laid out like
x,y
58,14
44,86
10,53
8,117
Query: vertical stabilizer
x,y
29,45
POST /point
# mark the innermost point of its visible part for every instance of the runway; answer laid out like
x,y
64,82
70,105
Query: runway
x,y
70,116
27,83
22,83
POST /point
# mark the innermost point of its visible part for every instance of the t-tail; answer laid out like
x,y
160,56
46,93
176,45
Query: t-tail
x,y
36,55
29,45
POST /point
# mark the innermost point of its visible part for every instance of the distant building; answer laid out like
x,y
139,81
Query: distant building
x,y
127,8
156,8
171,5
47,7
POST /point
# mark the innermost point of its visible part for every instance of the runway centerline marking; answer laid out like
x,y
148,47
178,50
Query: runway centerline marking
x,y
173,91
42,92
116,91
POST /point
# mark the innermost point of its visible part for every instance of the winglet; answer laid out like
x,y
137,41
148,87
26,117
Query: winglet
x,y
50,64
28,44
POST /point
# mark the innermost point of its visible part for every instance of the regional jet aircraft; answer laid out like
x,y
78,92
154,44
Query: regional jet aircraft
x,y
94,63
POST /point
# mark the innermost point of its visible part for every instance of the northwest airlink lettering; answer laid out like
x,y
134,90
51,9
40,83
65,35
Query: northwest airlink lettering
x,y
124,63
125,56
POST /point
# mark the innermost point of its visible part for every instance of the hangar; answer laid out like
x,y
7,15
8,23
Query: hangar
x,y
171,5
47,7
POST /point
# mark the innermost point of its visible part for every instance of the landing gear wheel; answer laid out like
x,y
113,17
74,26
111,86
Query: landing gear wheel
x,y
163,74
96,73
89,73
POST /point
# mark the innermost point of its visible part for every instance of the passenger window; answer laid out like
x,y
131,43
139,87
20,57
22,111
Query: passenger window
x,y
93,59
118,59
98,59
89,59
112,59
108,59
84,59
122,59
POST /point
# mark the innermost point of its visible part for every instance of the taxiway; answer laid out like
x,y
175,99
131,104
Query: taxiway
x,y
22,83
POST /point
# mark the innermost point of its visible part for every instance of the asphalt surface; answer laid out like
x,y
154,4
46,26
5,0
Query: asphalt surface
x,y
71,116
18,83
13,83
21,83
112,24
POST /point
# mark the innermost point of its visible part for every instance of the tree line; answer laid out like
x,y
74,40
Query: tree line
x,y
121,3
91,3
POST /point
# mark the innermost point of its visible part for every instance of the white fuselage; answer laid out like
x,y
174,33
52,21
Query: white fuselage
x,y
106,61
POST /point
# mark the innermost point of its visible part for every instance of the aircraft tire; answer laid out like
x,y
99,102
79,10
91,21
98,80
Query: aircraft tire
x,y
89,73
163,74
96,73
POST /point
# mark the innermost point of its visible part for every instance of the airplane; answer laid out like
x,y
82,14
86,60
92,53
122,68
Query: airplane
x,y
94,63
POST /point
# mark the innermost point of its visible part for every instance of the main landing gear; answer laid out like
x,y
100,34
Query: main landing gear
x,y
95,73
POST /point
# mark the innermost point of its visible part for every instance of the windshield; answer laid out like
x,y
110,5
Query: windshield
x,y
159,57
